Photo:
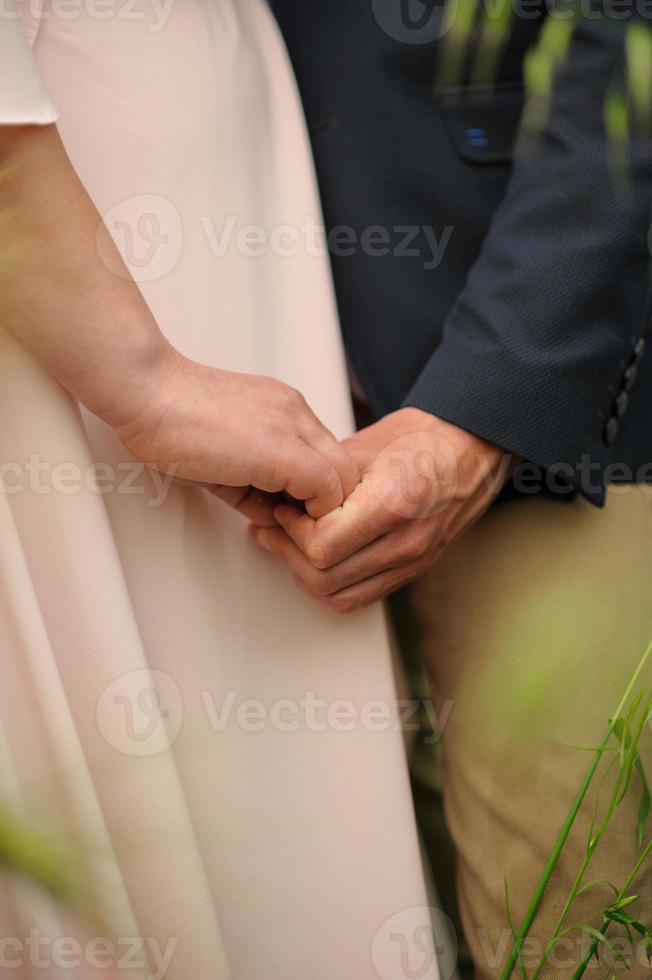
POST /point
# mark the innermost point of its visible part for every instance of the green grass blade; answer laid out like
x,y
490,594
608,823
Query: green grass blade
x,y
510,923
563,835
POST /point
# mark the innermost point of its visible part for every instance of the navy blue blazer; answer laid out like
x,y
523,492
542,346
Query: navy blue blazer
x,y
508,293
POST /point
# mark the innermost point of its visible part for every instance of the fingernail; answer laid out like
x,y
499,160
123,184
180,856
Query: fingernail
x,y
264,540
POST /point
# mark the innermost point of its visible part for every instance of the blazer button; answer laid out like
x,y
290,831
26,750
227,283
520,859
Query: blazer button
x,y
622,403
630,377
639,349
611,430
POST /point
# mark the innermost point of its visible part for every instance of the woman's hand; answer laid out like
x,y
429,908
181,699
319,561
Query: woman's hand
x,y
239,434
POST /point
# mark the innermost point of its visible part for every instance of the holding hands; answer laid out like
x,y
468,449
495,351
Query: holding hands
x,y
378,509
423,482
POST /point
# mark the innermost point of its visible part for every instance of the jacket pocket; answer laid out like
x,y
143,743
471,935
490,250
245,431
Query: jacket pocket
x,y
483,123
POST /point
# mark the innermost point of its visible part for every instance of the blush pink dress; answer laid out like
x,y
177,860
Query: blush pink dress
x,y
213,749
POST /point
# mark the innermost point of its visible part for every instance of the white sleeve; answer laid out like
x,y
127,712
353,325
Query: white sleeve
x,y
23,96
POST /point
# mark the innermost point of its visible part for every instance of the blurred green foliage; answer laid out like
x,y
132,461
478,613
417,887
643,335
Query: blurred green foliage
x,y
487,24
32,855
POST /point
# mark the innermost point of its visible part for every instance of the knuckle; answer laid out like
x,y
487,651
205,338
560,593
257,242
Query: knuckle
x,y
344,607
317,555
293,400
321,584
415,542
285,409
279,469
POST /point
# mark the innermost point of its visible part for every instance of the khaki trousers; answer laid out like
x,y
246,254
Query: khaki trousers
x,y
532,625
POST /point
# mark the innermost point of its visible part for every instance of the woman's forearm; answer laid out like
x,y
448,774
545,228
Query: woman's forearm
x,y
87,325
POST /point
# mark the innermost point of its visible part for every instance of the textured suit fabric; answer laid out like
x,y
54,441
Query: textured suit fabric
x,y
526,327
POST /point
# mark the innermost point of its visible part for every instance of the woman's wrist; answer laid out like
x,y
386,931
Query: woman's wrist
x,y
122,392
87,323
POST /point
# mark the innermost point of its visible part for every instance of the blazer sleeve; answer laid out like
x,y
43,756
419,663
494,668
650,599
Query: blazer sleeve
x,y
23,97
535,350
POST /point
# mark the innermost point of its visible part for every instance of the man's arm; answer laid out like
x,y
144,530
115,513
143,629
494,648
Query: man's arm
x,y
533,358
534,353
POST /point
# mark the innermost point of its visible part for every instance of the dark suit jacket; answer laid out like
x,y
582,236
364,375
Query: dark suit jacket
x,y
510,295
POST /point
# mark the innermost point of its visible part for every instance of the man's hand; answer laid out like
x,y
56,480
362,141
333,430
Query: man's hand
x,y
424,481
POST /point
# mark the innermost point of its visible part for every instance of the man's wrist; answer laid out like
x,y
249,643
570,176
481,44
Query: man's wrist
x,y
473,452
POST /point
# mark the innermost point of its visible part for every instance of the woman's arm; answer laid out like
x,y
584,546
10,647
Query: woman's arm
x,y
92,330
